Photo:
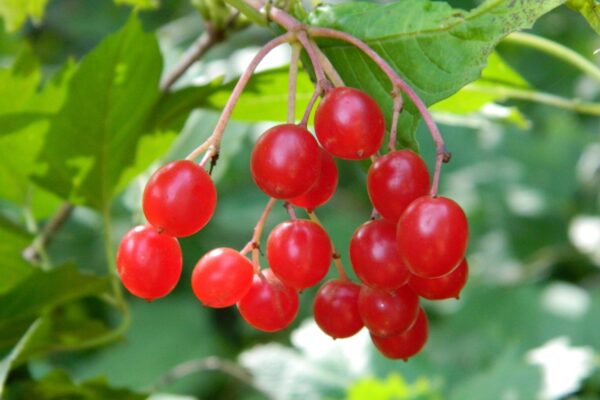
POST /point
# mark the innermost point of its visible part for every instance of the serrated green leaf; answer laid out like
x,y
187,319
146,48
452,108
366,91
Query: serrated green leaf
x,y
590,9
437,49
15,12
110,97
140,4
58,385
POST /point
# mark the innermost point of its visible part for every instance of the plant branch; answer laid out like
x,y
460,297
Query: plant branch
x,y
329,69
397,108
211,363
212,144
335,255
556,50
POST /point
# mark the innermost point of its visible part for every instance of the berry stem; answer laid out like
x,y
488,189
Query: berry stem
x,y
337,261
330,70
310,48
442,154
310,106
293,78
254,243
214,140
398,102
290,210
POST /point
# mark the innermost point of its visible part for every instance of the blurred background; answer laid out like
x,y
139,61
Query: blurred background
x,y
527,325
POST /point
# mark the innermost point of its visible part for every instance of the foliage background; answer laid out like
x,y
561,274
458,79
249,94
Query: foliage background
x,y
528,177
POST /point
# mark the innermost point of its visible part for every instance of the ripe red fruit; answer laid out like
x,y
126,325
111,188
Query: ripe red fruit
x,y
335,309
395,180
444,287
323,189
375,257
388,313
149,263
180,198
349,124
406,344
299,253
269,305
222,277
432,236
285,161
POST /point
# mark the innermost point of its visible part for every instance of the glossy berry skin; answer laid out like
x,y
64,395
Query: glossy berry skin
x,y
335,309
285,161
180,198
388,313
395,180
445,287
323,189
222,277
375,257
406,344
299,253
349,124
432,236
269,305
149,263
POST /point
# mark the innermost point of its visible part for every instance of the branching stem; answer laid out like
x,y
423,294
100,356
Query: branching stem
x,y
254,243
337,261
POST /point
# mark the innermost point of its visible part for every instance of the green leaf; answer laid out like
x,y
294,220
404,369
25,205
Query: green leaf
x,y
590,9
15,12
42,292
110,97
510,376
437,49
7,362
140,4
394,387
264,99
57,385
12,269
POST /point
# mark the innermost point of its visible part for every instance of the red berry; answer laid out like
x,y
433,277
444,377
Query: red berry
x,y
444,287
323,189
180,198
269,305
406,344
388,313
299,253
349,124
395,180
149,263
222,277
336,308
432,236
375,257
285,161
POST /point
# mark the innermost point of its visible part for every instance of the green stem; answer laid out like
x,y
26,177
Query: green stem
x,y
556,50
110,259
540,97
251,13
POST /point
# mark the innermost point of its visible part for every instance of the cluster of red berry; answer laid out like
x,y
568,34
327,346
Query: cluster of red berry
x,y
414,247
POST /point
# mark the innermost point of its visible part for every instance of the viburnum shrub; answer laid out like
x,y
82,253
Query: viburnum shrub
x,y
413,245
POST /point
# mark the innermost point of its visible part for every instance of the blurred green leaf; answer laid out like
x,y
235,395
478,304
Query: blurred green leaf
x,y
436,48
13,268
7,362
140,4
110,97
394,387
15,12
590,9
57,385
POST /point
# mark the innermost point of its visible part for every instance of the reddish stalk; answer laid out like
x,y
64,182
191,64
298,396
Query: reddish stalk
x,y
329,69
395,114
254,243
290,210
335,256
213,142
293,78
310,106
